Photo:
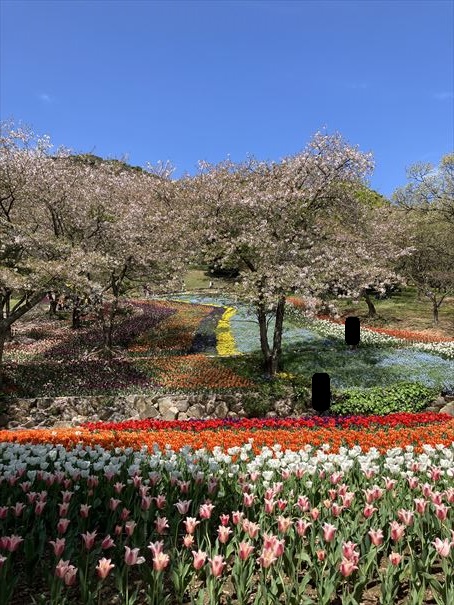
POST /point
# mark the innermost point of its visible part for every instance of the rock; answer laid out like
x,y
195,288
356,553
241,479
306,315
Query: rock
x,y
271,415
439,402
221,410
169,413
196,411
183,416
150,411
432,408
282,408
182,405
4,420
210,407
448,409
62,424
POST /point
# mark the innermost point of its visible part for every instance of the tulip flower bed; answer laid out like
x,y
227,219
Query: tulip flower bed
x,y
156,519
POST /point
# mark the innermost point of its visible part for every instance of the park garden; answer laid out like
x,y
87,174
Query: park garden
x,y
123,281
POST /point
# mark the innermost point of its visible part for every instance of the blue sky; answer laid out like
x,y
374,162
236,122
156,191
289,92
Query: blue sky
x,y
190,80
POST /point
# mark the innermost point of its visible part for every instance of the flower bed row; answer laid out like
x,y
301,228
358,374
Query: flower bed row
x,y
231,526
227,436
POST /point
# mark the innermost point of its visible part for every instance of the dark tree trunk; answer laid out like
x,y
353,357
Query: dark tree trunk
x,y
272,357
53,302
3,338
370,305
76,322
435,312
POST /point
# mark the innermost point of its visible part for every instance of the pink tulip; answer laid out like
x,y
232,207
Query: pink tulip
x,y
4,511
449,493
118,487
217,565
337,509
251,528
62,525
413,482
59,546
184,486
132,556
130,527
161,525
315,514
224,519
420,505
161,502
349,552
336,477
84,510
321,555
369,510
118,530
67,496
188,541
190,524
199,559
390,483
63,509
137,481
89,539
303,503
12,543
146,502
254,475
248,500
18,508
327,503
283,524
267,558
205,510
406,516
436,497
269,506
39,507
183,506
347,567
397,531
224,534
441,511
212,485
395,558
237,517
104,567
2,560
426,490
113,503
282,504
301,526
376,536
245,549
160,561
443,547
328,532
156,547
435,473
107,543
125,514
92,481
66,572
369,473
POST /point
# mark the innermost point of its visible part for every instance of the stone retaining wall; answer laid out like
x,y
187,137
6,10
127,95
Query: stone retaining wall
x,y
70,411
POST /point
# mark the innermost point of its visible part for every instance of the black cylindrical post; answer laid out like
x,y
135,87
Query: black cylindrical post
x,y
321,391
352,331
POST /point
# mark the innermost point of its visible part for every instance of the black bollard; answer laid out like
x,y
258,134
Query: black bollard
x,y
352,331
321,392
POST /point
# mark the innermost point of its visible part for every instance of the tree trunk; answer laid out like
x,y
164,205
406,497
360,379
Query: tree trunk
x,y
370,305
52,304
271,356
3,338
435,312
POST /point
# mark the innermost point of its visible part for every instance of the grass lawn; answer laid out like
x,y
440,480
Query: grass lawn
x,y
403,311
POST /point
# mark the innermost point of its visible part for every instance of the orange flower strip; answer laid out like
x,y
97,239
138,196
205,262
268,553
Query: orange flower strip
x,y
194,372
381,439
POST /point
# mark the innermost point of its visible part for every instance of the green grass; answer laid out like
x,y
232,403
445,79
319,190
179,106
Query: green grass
x,y
403,311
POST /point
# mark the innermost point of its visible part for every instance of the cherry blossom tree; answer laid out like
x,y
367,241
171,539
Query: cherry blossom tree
x,y
275,222
37,252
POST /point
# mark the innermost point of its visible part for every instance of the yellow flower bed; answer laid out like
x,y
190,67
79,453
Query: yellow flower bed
x,y
225,343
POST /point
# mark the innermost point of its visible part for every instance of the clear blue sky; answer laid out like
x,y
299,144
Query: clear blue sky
x,y
191,80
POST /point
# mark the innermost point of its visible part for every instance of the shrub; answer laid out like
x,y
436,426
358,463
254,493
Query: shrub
x,y
400,397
